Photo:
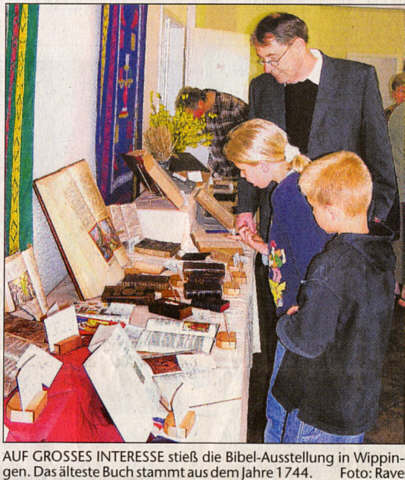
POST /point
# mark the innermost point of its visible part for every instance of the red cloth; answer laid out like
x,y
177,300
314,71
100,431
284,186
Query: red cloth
x,y
74,412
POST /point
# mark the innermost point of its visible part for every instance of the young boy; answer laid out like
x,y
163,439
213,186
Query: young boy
x,y
330,377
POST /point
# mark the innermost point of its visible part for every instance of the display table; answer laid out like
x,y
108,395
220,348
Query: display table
x,y
75,413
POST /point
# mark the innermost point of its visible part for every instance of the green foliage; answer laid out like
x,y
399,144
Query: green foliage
x,y
184,128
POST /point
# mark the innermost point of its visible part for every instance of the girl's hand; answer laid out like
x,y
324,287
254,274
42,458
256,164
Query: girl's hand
x,y
293,309
244,223
254,241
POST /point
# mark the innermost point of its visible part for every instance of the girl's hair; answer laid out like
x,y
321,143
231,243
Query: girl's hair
x,y
340,178
258,141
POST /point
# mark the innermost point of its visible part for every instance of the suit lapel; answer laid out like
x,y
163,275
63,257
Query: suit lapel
x,y
328,84
278,106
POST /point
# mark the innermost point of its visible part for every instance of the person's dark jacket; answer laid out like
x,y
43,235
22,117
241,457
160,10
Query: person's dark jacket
x,y
337,340
348,115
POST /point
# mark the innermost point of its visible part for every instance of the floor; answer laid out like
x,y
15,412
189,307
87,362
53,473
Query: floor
x,y
390,425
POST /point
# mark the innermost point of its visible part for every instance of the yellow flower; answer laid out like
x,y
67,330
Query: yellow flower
x,y
184,128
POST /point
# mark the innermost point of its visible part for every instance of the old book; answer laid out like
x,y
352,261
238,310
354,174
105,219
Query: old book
x,y
213,303
202,289
134,160
208,242
204,267
193,256
126,223
118,312
19,334
145,264
22,285
171,308
79,220
163,180
141,281
209,203
187,162
159,248
123,294
27,330
163,335
162,365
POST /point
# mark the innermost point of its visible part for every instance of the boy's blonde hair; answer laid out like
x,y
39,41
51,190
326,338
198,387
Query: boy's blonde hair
x,y
340,178
257,141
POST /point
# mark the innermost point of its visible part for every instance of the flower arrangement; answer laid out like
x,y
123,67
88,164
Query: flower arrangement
x,y
170,134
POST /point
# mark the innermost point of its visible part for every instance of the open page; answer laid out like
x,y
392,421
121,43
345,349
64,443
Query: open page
x,y
86,183
82,228
23,286
166,335
126,223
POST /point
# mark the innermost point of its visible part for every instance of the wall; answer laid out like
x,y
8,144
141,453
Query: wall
x,y
151,58
65,109
335,30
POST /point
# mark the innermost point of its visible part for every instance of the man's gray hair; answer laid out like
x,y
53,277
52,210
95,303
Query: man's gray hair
x,y
283,27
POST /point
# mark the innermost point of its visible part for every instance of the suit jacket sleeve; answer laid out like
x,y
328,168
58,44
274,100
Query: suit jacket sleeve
x,y
248,194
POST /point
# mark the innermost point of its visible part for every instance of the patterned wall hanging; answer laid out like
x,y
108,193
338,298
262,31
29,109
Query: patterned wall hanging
x,y
120,97
21,48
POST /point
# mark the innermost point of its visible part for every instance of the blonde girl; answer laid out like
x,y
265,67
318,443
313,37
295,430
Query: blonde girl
x,y
262,153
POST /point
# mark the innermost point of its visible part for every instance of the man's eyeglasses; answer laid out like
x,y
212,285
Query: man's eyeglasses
x,y
273,63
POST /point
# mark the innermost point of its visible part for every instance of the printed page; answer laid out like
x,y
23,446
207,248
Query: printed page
x,y
86,183
22,286
182,326
33,271
84,234
126,223
166,342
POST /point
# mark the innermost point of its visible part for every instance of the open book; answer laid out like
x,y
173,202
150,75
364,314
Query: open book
x,y
22,286
126,223
166,335
214,207
19,334
80,222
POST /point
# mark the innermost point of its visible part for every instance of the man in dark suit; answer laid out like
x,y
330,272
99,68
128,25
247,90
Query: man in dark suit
x,y
325,105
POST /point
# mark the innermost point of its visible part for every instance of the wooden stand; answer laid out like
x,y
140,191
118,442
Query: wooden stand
x,y
68,344
226,341
222,255
232,289
239,276
34,409
169,426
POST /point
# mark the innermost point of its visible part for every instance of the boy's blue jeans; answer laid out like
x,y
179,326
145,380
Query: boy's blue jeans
x,y
274,411
284,427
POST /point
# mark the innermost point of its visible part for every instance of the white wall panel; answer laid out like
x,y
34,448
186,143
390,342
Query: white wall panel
x,y
65,109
